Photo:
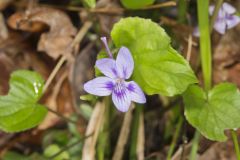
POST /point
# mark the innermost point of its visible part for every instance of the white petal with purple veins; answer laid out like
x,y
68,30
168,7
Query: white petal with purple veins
x,y
136,92
101,86
229,9
125,63
220,25
232,21
121,97
108,67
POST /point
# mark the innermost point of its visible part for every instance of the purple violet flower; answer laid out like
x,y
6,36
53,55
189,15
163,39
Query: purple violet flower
x,y
225,18
116,72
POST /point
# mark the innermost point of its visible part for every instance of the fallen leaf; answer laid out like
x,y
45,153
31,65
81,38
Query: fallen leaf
x,y
57,40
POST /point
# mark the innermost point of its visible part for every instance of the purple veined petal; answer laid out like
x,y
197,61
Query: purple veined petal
x,y
136,92
100,86
220,26
229,9
125,63
104,40
232,21
121,97
108,67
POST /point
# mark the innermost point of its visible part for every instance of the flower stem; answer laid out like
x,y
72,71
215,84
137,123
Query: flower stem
x,y
175,138
215,13
205,44
236,144
206,58
195,142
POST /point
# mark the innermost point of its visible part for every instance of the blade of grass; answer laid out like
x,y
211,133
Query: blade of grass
x,y
175,138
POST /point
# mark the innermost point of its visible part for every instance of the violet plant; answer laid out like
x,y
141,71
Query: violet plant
x,y
154,67
116,72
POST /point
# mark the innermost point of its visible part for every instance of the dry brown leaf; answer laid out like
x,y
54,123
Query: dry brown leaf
x,y
57,40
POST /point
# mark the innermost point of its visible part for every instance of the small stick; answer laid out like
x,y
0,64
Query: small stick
x,y
77,40
124,133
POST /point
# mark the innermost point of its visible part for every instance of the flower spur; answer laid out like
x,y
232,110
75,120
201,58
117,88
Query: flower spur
x,y
116,72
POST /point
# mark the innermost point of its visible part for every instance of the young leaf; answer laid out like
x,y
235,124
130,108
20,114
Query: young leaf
x,y
135,4
158,67
213,112
19,109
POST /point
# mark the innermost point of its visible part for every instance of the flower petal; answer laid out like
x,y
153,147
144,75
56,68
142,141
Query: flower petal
x,y
121,97
108,67
232,21
211,9
125,63
101,86
136,92
229,9
220,26
104,40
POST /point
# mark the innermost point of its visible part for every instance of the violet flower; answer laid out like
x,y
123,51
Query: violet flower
x,y
225,18
116,72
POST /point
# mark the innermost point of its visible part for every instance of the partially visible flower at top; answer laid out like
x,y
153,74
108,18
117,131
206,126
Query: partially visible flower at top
x,y
116,72
225,19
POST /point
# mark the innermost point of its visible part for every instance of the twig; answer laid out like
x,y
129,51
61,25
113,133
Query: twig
x,y
94,125
113,10
141,138
189,49
160,5
76,40
124,133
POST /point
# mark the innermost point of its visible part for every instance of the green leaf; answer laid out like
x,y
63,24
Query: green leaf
x,y
15,156
54,149
213,112
135,4
19,109
90,3
158,67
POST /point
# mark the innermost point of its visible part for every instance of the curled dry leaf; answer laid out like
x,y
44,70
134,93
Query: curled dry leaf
x,y
57,40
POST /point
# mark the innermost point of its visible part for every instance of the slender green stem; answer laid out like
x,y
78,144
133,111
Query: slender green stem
x,y
205,44
182,10
236,144
206,58
134,132
175,138
195,142
215,13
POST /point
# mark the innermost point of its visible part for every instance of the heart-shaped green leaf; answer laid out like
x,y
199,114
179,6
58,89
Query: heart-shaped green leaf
x,y
213,112
158,67
135,4
19,109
